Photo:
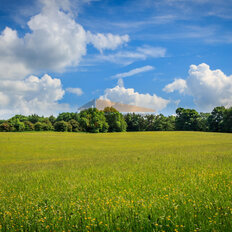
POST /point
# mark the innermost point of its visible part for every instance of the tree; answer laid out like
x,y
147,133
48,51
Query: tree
x,y
47,125
34,118
38,126
6,127
75,125
66,116
216,119
19,126
186,119
115,121
93,120
150,122
109,110
135,122
227,119
52,119
202,122
61,126
29,126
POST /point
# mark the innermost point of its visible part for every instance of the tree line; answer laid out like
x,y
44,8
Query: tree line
x,y
110,120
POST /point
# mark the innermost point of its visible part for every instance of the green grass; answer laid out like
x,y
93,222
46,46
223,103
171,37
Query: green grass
x,y
145,181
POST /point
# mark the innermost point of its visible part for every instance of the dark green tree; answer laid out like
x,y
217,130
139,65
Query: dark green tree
x,y
227,119
61,126
135,122
216,119
186,119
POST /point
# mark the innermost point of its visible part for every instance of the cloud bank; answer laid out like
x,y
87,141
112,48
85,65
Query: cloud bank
x,y
31,95
209,88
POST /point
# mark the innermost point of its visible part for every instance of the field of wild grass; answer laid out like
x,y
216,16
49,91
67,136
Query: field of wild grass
x,y
145,181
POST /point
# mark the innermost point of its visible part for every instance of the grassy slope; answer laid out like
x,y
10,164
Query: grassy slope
x,y
161,181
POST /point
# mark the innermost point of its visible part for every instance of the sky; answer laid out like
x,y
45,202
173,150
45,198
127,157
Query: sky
x,y
56,55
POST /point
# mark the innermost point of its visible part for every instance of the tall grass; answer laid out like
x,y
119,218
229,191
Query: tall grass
x,y
145,181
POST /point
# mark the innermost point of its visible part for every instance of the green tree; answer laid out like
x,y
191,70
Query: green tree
x,y
227,119
216,119
150,122
115,121
93,120
61,126
75,125
202,122
6,127
186,119
19,126
135,122
34,118
29,126
52,119
39,126
66,116
109,109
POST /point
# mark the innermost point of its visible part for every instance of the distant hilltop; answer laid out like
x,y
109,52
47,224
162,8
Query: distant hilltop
x,y
101,104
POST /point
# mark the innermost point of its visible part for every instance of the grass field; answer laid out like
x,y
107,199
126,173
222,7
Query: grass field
x,y
145,181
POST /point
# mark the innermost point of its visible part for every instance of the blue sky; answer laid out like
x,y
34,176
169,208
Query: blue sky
x,y
56,55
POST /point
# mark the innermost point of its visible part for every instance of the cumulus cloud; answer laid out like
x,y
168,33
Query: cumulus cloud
x,y
134,72
209,88
178,84
76,91
129,96
31,95
55,41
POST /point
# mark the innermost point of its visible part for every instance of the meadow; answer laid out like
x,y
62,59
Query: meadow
x,y
138,181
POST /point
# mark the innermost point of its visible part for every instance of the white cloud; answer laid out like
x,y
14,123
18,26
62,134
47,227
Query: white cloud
x,y
178,84
55,41
107,41
77,91
209,88
128,57
134,72
32,95
129,96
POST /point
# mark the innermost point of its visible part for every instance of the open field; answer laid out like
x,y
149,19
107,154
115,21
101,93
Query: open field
x,y
145,181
